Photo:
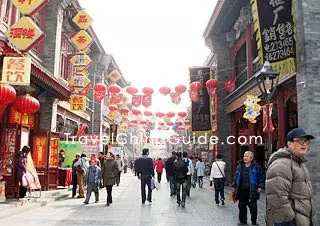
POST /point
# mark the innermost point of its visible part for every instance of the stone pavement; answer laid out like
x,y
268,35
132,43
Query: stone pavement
x,y
128,210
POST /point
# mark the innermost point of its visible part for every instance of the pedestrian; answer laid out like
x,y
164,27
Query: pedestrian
x,y
247,184
109,174
190,171
22,169
61,158
74,175
125,164
145,173
81,166
180,170
200,167
289,191
217,176
120,167
169,171
101,158
194,179
96,159
159,168
93,177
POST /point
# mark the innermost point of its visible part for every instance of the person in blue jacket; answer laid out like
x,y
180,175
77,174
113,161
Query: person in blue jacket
x,y
247,184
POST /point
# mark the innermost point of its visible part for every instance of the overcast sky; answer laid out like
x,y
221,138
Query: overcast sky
x,y
153,42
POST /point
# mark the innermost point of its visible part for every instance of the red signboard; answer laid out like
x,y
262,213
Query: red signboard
x,y
39,150
54,152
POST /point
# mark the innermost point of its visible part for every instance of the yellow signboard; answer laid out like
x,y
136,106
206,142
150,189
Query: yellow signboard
x,y
80,60
82,20
24,34
79,82
29,7
82,40
77,103
16,71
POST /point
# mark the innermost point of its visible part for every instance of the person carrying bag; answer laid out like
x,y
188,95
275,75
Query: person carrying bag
x,y
217,175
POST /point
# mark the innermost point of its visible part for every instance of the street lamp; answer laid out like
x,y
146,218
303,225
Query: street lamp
x,y
267,81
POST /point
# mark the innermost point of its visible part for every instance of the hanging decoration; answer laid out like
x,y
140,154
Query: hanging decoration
x,y
146,100
164,90
100,90
212,85
194,96
195,86
252,108
7,93
131,90
175,98
116,98
187,122
180,89
136,112
147,91
159,114
124,110
124,127
114,76
113,108
170,114
265,118
136,100
26,104
182,114
230,85
114,88
147,113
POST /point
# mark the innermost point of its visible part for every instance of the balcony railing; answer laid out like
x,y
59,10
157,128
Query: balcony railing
x,y
241,77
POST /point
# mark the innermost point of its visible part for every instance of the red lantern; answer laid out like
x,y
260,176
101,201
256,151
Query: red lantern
x,y
187,122
196,86
134,121
147,91
211,85
136,112
164,90
26,104
114,76
7,93
100,87
143,122
114,89
147,113
182,114
170,123
180,128
180,89
159,114
131,90
178,123
113,107
124,110
170,114
194,95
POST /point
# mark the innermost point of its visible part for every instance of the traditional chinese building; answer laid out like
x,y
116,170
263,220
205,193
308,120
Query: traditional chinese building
x,y
242,35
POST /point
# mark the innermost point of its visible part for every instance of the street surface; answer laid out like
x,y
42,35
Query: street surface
x,y
127,209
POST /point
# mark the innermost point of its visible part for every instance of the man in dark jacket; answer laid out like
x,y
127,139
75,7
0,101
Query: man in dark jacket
x,y
247,184
145,172
180,170
169,172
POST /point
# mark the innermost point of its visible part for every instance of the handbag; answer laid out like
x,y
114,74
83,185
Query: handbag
x,y
153,185
232,199
223,177
79,169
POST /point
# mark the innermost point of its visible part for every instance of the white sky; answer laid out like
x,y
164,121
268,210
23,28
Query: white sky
x,y
153,42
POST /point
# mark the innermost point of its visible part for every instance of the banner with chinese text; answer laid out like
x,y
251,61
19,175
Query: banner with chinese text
x,y
16,71
54,152
77,103
275,34
39,150
200,110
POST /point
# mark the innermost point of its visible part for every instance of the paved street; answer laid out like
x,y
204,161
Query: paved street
x,y
128,210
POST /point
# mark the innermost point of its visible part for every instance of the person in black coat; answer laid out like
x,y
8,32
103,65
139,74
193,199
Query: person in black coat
x,y
170,174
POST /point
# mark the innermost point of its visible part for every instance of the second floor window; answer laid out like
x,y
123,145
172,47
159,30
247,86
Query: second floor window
x,y
66,68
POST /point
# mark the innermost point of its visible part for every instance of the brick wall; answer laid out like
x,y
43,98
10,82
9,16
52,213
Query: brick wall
x,y
308,36
221,48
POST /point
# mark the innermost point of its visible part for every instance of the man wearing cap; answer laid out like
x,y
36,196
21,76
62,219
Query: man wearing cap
x,y
288,187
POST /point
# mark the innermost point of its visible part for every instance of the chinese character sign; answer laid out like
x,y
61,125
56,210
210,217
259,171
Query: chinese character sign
x,y
200,110
82,40
16,71
39,150
29,7
82,20
54,152
276,33
77,103
24,34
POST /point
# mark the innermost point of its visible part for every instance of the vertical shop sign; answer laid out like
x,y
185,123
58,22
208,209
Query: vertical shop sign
x,y
54,152
39,150
200,111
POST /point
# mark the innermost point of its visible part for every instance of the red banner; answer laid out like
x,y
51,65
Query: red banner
x,y
230,85
39,151
265,124
175,97
136,100
146,100
54,152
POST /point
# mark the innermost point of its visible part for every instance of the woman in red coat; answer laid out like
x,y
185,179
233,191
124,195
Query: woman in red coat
x,y
158,165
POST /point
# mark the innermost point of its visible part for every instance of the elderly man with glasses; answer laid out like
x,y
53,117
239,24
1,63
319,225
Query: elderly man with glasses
x,y
288,187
